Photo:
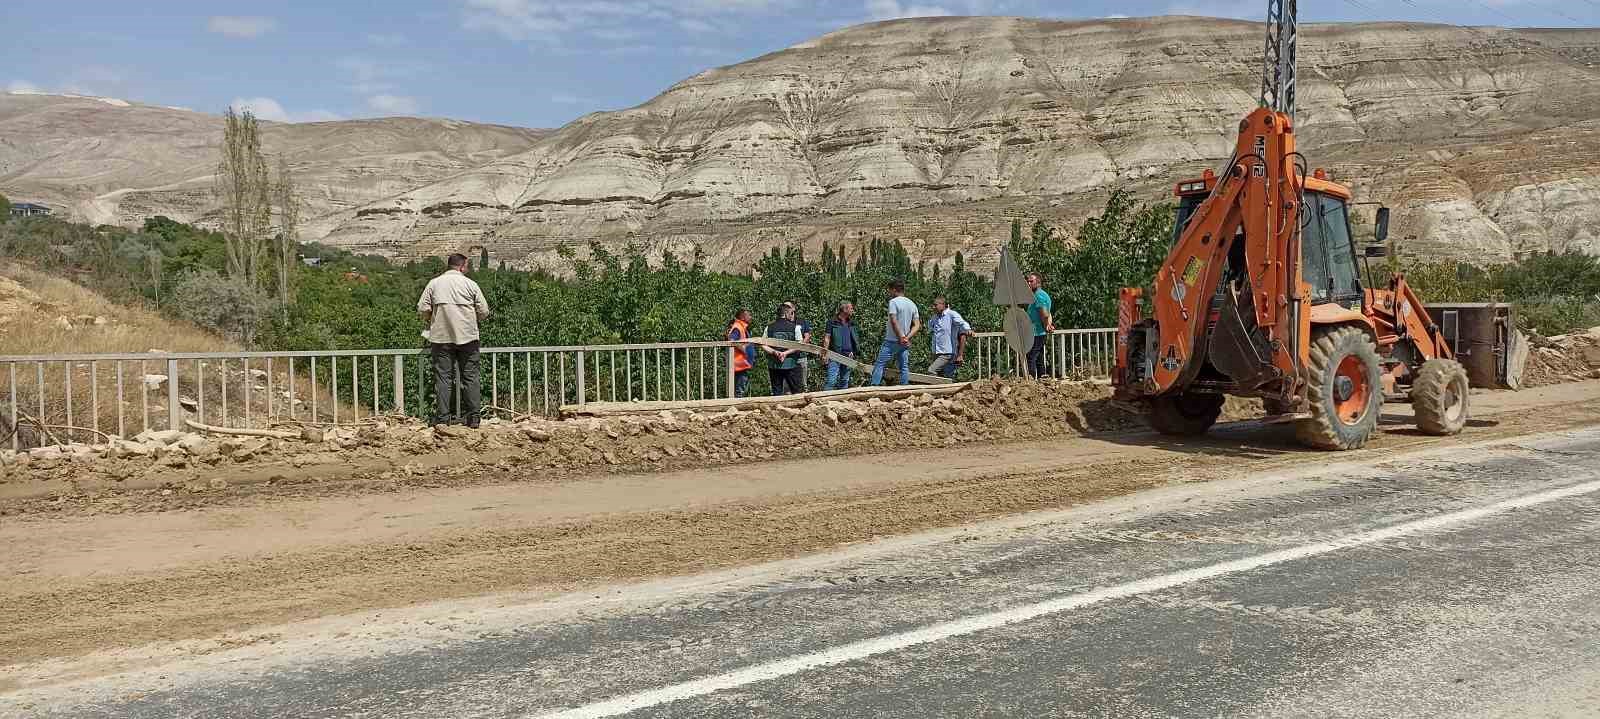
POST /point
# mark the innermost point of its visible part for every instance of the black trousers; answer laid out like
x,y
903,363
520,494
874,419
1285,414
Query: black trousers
x,y
448,360
1038,357
785,381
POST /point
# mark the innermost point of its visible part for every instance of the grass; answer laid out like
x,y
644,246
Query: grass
x,y
44,314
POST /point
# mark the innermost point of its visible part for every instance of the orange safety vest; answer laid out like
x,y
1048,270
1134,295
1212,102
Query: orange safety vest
x,y
741,358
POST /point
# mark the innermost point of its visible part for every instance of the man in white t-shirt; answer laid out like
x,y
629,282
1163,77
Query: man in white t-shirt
x,y
902,324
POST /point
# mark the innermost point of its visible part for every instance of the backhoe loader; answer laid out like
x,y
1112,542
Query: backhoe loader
x,y
1261,296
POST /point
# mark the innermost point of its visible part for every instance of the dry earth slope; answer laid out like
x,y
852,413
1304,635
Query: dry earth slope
x,y
110,161
933,130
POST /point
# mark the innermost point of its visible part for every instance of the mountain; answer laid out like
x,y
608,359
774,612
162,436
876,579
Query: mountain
x,y
110,161
938,131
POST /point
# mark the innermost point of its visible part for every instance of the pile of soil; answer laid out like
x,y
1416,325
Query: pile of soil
x,y
179,463
1563,358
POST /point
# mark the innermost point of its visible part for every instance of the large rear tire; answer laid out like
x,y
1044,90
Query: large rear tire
x,y
1186,414
1345,392
1439,397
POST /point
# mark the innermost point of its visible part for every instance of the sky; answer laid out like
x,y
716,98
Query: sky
x,y
531,63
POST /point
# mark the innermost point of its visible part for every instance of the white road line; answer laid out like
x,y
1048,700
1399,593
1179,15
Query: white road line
x,y
969,625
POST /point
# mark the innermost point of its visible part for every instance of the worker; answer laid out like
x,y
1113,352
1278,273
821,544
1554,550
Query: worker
x,y
744,356
1043,324
900,326
804,361
452,305
783,365
841,338
947,333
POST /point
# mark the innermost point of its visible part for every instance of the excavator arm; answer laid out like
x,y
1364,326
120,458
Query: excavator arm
x,y
1256,202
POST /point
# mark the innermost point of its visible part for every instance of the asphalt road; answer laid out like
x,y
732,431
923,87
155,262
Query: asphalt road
x,y
1463,583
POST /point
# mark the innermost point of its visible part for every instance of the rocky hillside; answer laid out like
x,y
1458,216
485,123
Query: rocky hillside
x,y
937,131
108,161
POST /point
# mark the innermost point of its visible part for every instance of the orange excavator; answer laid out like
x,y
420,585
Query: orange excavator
x,y
1261,296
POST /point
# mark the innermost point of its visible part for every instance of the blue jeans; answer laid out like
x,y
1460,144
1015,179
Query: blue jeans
x,y
839,373
892,350
741,383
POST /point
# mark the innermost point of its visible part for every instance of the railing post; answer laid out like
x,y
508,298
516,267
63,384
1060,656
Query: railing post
x,y
173,409
581,381
731,350
400,384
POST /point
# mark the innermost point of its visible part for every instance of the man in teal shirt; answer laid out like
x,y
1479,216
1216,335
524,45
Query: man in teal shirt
x,y
1043,325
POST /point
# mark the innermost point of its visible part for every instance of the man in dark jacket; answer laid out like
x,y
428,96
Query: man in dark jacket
x,y
841,337
783,366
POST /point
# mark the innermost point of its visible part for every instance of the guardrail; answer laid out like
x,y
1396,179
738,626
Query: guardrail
x,y
56,399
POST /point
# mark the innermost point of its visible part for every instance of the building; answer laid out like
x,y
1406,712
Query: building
x,y
28,209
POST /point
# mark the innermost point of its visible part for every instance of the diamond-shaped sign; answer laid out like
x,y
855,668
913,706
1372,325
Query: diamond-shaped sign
x,y
1010,287
1019,330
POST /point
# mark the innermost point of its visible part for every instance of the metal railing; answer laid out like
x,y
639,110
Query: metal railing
x,y
57,399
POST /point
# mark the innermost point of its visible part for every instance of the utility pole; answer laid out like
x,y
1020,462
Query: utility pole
x,y
1278,70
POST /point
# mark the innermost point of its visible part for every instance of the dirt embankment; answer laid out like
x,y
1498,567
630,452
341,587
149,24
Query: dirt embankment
x,y
1557,359
166,470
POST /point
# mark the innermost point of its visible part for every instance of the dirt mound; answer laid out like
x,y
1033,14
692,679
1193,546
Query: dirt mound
x,y
175,464
1563,358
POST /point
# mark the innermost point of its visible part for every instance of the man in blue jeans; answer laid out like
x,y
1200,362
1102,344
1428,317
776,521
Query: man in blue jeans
x,y
842,338
947,333
902,324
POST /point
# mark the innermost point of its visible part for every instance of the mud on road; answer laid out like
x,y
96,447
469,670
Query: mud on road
x,y
230,569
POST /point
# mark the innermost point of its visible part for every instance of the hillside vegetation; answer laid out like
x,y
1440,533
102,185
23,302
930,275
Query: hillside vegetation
x,y
173,270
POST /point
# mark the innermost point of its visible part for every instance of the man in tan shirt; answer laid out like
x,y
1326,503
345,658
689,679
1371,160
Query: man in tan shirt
x,y
452,306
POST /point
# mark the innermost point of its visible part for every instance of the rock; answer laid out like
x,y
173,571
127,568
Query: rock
x,y
124,448
314,435
188,404
217,483
47,453
100,321
535,434
258,373
197,446
160,436
153,382
63,323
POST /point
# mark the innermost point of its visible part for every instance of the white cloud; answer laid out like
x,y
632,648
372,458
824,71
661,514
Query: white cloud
x,y
23,87
240,26
892,9
271,110
550,20
394,104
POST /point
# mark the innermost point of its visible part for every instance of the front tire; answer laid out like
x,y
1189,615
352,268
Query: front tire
x,y
1186,414
1345,390
1439,397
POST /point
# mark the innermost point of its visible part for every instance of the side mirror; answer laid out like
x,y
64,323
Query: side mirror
x,y
1377,250
1380,226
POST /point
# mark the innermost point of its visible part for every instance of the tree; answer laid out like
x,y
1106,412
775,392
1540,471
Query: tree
x,y
243,189
483,258
5,208
288,231
228,305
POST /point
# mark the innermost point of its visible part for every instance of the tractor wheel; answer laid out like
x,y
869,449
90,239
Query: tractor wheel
x,y
1345,393
1185,414
1439,397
